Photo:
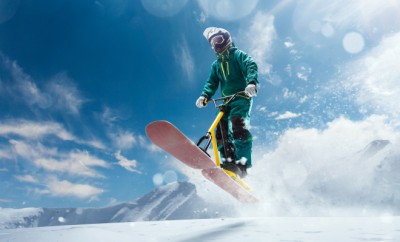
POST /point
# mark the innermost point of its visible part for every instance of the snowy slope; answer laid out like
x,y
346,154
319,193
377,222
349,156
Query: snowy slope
x,y
239,229
173,201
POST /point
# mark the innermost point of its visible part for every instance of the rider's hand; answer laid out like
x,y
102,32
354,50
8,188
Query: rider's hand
x,y
251,90
201,102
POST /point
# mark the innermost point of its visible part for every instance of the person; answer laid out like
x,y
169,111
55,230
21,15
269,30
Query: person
x,y
233,71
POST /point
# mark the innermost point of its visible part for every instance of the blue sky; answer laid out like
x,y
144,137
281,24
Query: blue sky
x,y
80,80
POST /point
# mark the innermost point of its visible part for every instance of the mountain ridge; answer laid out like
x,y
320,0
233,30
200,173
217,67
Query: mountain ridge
x,y
178,200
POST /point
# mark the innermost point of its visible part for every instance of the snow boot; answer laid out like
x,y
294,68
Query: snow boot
x,y
238,169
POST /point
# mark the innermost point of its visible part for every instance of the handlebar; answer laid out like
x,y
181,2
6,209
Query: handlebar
x,y
225,100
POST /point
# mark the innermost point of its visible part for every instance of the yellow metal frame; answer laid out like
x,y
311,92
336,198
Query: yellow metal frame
x,y
211,131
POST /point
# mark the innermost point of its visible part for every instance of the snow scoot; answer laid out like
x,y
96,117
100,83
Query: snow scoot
x,y
172,140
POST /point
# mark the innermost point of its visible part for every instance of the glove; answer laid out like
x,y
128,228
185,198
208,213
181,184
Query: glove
x,y
251,90
201,102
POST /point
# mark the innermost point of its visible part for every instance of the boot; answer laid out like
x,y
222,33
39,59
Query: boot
x,y
238,169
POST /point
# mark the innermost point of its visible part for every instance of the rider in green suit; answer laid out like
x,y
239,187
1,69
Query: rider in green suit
x,y
233,71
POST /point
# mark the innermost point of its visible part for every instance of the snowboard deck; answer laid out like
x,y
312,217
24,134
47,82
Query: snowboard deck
x,y
172,140
169,138
233,185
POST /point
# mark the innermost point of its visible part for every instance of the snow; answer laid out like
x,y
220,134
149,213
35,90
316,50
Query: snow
x,y
349,168
234,229
19,217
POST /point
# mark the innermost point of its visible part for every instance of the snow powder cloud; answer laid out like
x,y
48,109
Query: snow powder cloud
x,y
374,78
318,171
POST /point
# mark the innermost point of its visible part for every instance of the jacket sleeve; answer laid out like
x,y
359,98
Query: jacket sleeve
x,y
212,83
248,66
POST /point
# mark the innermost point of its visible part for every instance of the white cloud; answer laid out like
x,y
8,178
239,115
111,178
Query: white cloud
x,y
78,163
30,151
287,115
152,148
34,130
59,94
64,188
374,77
32,94
144,143
27,178
303,99
184,58
129,165
258,39
96,143
6,154
289,44
123,139
262,109
303,72
109,116
288,94
64,94
22,85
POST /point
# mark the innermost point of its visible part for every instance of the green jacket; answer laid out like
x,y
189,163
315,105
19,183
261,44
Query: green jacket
x,y
233,70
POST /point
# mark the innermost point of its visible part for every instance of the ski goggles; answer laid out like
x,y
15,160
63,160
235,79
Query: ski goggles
x,y
217,40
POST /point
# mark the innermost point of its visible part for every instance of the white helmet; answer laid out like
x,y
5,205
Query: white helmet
x,y
219,38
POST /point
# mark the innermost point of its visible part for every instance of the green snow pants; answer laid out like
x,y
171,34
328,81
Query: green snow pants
x,y
233,136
